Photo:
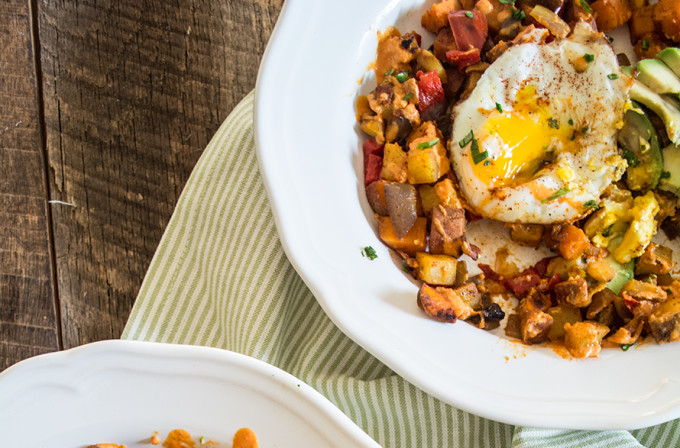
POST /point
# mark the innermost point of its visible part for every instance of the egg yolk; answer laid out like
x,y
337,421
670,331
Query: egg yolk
x,y
526,137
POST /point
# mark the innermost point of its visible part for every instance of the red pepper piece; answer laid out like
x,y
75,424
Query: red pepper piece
x,y
373,158
430,90
469,29
464,58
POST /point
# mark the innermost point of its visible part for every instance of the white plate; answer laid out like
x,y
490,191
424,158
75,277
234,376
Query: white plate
x,y
122,391
309,153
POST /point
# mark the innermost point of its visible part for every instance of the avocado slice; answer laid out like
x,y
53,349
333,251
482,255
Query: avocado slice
x,y
671,57
657,76
671,166
640,145
663,107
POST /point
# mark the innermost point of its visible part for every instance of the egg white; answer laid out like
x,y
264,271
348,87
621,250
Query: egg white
x,y
582,159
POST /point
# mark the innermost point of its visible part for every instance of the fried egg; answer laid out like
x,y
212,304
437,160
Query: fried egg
x,y
535,142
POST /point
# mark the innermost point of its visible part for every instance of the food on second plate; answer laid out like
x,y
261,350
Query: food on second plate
x,y
521,112
180,438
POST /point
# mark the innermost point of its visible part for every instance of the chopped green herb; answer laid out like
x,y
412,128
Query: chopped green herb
x,y
630,158
571,122
591,204
404,266
584,129
613,76
665,174
468,14
586,6
669,291
467,139
589,57
430,144
625,347
573,137
555,195
369,253
499,108
608,231
477,157
507,2
201,440
553,123
545,146
402,77
518,14
487,162
408,96
389,72
644,44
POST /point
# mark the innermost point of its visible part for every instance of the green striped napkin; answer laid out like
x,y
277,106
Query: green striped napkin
x,y
220,278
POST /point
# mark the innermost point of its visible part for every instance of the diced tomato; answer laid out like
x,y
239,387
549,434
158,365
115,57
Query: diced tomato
x,y
464,58
542,266
430,90
554,280
522,283
469,29
373,169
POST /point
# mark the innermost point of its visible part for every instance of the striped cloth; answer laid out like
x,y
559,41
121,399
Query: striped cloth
x,y
220,278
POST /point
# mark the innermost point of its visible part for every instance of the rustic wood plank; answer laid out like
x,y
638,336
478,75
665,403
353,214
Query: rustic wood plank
x,y
133,91
28,323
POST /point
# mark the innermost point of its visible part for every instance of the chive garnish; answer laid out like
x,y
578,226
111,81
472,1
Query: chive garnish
x,y
591,204
408,96
369,253
553,123
589,57
586,6
584,129
487,162
608,231
518,14
468,14
555,195
402,76
613,76
389,72
625,347
477,156
571,122
665,174
499,108
507,2
630,158
467,139
644,44
431,143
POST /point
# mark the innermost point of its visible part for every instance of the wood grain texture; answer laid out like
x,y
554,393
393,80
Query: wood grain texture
x,y
28,324
133,91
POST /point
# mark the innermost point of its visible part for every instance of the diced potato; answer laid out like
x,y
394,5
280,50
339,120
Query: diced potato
x,y
573,291
426,165
428,198
447,230
665,321
375,193
584,339
436,269
390,54
655,260
610,14
529,235
394,163
448,304
447,194
561,315
641,230
362,107
601,271
437,17
535,326
667,16
566,268
413,242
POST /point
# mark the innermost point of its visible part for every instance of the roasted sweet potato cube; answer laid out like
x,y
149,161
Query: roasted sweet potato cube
x,y
584,339
448,304
665,321
375,193
572,242
573,291
436,269
437,17
447,230
667,17
655,260
642,22
415,240
610,14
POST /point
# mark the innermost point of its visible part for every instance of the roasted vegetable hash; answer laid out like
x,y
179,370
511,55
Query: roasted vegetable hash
x,y
521,112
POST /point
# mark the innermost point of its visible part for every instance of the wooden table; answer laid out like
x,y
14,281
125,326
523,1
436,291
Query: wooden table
x,y
105,107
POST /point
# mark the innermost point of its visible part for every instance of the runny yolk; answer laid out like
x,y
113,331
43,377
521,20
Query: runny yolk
x,y
525,137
